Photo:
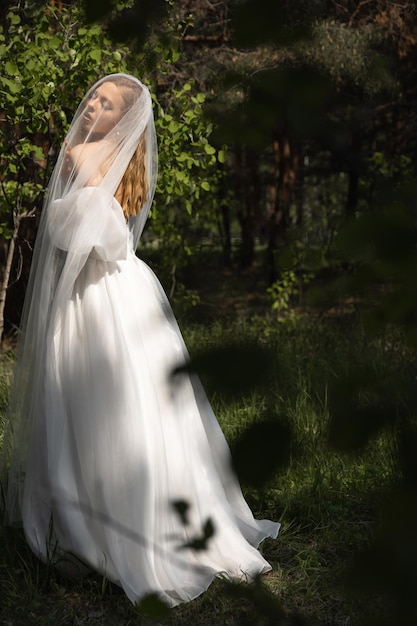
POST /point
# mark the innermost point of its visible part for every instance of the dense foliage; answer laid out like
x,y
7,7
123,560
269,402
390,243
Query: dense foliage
x,y
314,102
49,57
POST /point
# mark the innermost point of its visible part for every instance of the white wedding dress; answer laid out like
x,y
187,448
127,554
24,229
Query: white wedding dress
x,y
116,441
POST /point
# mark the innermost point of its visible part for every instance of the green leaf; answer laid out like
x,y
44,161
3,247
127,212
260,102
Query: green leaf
x,y
12,85
221,156
11,68
205,185
200,97
209,149
96,54
54,43
14,19
173,126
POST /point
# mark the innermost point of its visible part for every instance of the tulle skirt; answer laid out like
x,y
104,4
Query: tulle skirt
x,y
128,468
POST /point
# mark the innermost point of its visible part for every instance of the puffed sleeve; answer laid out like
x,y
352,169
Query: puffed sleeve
x,y
89,221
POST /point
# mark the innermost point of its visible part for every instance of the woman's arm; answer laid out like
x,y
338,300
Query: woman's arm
x,y
89,221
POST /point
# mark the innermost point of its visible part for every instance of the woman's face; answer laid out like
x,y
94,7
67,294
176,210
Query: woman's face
x,y
105,107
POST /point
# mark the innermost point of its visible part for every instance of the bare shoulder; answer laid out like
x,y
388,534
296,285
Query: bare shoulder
x,y
83,151
93,158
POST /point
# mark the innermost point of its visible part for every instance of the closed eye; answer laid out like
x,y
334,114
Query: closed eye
x,y
105,102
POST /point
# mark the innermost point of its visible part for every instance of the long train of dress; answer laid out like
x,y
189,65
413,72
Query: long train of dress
x,y
116,442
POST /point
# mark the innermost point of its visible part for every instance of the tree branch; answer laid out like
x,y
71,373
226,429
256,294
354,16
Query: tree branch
x,y
206,39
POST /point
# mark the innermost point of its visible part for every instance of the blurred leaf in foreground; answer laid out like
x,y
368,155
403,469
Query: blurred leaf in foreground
x,y
234,370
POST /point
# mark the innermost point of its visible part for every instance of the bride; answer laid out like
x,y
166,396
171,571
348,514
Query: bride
x,y
109,462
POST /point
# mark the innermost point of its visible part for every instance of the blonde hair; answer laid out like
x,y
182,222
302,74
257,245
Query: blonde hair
x,y
132,191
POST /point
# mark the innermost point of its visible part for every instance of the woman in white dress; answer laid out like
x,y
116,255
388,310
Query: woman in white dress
x,y
104,451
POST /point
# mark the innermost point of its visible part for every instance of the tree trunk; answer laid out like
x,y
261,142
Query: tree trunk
x,y
6,274
248,193
286,163
252,212
226,232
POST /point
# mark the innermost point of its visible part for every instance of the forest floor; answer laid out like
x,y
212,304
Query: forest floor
x,y
328,502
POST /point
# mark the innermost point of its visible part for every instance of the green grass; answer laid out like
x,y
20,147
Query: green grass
x,y
327,500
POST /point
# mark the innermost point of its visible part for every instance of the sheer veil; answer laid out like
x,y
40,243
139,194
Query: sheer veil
x,y
88,171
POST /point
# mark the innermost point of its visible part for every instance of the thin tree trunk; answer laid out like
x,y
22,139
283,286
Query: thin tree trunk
x,y
6,274
286,164
243,205
249,219
227,236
